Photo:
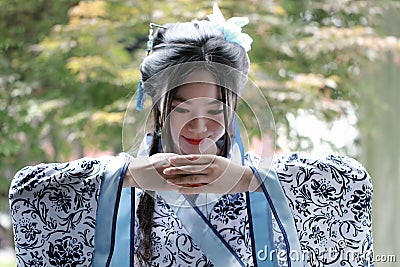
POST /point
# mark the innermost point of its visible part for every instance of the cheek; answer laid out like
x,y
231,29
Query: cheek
x,y
217,127
177,123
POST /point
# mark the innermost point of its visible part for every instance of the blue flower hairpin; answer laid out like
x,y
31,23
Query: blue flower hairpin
x,y
231,28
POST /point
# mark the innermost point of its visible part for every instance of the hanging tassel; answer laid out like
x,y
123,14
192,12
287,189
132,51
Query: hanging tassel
x,y
140,96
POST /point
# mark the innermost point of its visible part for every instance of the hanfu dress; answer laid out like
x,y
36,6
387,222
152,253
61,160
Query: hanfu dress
x,y
311,212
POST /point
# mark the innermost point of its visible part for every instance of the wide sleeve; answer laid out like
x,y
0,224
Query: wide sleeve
x,y
54,209
330,198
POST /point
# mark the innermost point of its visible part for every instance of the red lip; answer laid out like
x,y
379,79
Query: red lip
x,y
193,185
193,141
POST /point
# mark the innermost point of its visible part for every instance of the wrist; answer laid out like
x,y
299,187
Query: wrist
x,y
253,183
129,180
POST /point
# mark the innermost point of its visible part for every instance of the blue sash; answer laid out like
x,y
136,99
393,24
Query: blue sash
x,y
107,214
273,200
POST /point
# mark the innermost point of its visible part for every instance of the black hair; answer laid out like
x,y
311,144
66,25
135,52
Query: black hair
x,y
174,47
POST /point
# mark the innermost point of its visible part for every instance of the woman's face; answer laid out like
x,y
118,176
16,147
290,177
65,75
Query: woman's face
x,y
196,118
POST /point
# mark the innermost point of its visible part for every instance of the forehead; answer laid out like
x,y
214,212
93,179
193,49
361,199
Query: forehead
x,y
196,90
200,84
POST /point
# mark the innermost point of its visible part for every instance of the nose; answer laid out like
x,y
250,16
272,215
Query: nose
x,y
198,125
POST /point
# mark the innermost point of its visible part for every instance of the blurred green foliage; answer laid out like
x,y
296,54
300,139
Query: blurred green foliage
x,y
68,68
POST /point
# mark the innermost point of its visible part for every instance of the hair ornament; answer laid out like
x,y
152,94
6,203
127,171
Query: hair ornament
x,y
231,28
140,95
151,36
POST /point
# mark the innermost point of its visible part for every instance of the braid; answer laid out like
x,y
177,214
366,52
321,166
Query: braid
x,y
145,208
145,215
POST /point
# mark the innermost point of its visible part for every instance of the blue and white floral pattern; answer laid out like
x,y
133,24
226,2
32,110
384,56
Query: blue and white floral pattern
x,y
54,209
331,202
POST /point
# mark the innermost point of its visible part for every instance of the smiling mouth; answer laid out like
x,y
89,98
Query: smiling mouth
x,y
193,141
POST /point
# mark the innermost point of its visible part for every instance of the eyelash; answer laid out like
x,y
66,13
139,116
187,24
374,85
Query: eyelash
x,y
215,111
183,110
180,110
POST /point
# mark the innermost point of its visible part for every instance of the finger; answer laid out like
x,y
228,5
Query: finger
x,y
189,179
165,177
192,159
162,159
196,169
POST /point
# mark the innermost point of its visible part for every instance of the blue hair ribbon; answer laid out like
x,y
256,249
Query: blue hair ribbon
x,y
238,138
140,96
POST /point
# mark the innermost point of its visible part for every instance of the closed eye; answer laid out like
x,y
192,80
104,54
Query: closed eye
x,y
180,110
215,111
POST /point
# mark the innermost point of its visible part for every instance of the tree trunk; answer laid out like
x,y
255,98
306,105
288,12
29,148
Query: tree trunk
x,y
380,114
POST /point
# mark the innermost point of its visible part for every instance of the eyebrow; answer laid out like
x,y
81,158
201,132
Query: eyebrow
x,y
215,101
181,99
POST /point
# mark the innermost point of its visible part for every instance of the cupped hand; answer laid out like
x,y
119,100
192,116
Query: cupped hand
x,y
147,173
207,174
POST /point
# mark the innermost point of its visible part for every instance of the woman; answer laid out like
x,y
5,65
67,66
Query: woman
x,y
195,199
